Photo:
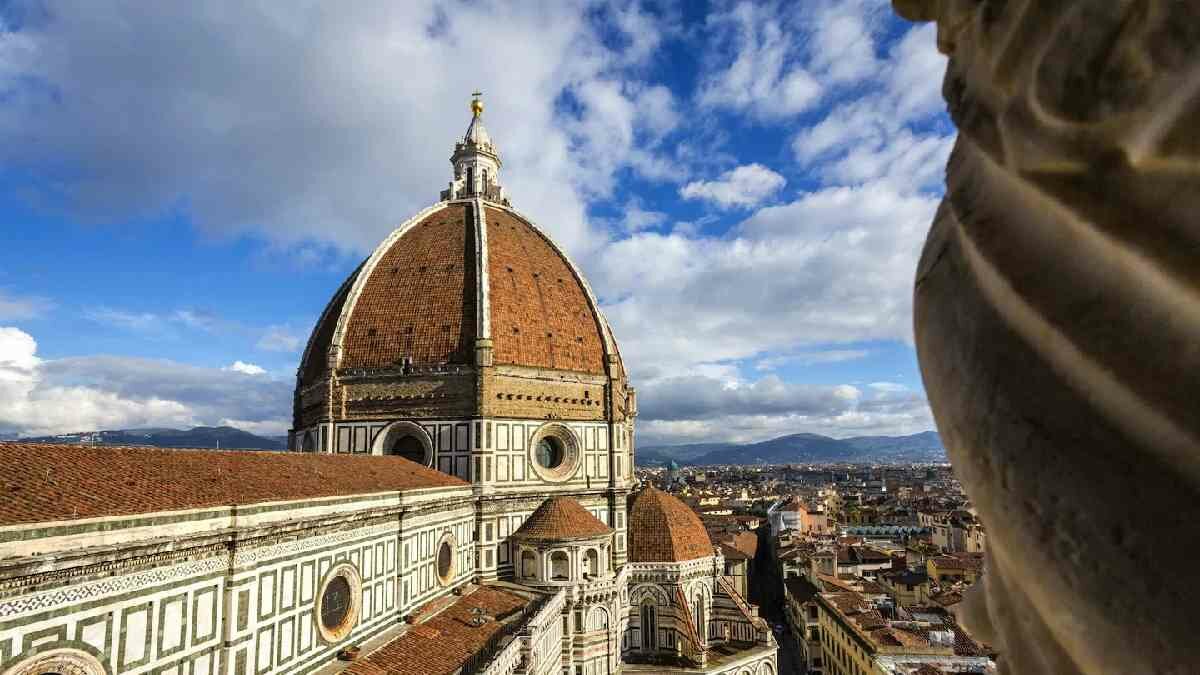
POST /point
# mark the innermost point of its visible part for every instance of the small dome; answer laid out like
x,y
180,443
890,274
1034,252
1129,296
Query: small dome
x,y
664,529
560,518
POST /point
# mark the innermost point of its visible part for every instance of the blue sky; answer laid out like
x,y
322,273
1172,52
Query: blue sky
x,y
746,185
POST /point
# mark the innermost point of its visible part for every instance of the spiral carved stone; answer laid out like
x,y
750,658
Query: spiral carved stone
x,y
1057,312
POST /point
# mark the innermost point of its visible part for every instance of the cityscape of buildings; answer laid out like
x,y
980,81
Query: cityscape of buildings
x,y
862,569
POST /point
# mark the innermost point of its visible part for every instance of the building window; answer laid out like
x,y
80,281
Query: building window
x,y
407,440
550,453
593,562
335,603
559,566
338,602
409,448
649,627
554,452
528,564
447,560
699,616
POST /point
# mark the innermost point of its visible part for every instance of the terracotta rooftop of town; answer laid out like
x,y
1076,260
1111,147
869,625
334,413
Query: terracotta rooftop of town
x,y
560,518
44,483
418,300
444,643
664,529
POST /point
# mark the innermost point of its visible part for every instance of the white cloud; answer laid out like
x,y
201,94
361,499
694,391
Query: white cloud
x,y
757,64
138,322
832,267
43,397
744,186
20,308
327,124
279,339
245,368
875,136
275,427
841,42
699,409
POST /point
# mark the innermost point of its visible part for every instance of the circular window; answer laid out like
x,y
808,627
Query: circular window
x,y
404,439
408,447
549,454
445,560
338,602
335,603
59,661
554,452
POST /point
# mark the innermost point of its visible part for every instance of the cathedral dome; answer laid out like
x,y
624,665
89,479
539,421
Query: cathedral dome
x,y
466,311
459,272
561,518
664,529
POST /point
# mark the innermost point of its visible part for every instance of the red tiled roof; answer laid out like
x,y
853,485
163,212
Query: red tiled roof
x,y
445,643
664,529
561,518
316,356
541,315
66,482
419,301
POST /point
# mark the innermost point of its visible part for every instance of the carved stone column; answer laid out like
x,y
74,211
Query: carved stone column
x,y
1057,316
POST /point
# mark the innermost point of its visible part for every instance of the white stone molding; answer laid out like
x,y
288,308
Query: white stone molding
x,y
483,302
74,595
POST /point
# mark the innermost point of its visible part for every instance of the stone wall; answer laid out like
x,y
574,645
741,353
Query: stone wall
x,y
236,602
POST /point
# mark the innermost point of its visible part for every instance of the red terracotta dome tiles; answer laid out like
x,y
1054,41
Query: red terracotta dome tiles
x,y
419,302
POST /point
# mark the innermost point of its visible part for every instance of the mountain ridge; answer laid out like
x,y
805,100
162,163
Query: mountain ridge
x,y
223,437
923,447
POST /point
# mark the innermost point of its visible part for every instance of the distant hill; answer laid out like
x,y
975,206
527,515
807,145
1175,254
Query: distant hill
x,y
802,448
197,437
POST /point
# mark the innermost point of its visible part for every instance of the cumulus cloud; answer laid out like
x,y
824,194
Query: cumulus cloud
x,y
43,397
832,267
245,368
326,124
886,134
696,409
744,186
757,65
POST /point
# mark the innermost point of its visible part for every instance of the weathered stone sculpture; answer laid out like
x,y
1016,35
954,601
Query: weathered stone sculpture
x,y
1058,323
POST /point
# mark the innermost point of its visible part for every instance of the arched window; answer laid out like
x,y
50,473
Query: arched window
x,y
528,564
484,179
649,626
593,562
698,611
409,447
560,566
